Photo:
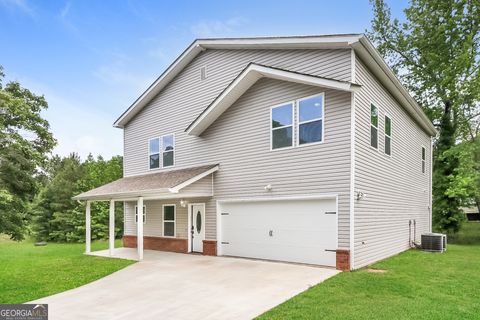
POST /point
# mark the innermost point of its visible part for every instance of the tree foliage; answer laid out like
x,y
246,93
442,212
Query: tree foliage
x,y
25,142
436,54
60,218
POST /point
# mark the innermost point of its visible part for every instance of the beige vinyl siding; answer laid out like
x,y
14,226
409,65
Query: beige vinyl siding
x,y
200,186
395,188
240,139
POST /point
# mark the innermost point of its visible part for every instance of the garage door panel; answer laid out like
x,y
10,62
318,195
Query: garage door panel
x,y
293,230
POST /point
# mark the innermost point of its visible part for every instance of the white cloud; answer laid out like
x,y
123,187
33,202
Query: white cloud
x,y
119,72
21,5
215,28
65,10
157,53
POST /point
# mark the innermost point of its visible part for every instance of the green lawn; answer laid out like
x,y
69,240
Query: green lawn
x,y
417,285
28,272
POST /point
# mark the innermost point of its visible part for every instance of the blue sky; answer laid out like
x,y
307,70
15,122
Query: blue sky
x,y
92,59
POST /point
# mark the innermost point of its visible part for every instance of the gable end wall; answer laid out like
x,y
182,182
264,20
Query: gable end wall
x,y
395,188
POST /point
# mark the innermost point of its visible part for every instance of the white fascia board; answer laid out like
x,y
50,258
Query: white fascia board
x,y
307,42
377,65
246,79
121,195
182,185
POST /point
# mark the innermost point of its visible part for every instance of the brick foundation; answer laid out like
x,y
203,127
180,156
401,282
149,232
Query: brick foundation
x,y
158,243
343,259
209,247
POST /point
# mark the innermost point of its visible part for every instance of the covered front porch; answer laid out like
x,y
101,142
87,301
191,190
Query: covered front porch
x,y
174,191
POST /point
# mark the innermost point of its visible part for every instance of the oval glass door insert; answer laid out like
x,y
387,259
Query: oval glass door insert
x,y
199,221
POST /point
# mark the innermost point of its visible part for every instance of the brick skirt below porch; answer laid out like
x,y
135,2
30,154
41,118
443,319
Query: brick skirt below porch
x,y
158,243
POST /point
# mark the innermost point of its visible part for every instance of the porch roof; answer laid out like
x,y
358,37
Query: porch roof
x,y
164,184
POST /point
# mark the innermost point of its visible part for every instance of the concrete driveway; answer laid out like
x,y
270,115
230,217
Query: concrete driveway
x,y
183,286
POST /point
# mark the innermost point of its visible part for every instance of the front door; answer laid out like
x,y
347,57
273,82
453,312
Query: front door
x,y
197,217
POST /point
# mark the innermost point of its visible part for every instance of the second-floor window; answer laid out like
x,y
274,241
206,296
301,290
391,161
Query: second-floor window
x,y
310,120
307,125
282,126
388,135
161,152
374,126
168,146
154,153
424,157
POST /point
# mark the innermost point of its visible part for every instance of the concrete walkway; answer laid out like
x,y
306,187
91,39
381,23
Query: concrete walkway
x,y
183,286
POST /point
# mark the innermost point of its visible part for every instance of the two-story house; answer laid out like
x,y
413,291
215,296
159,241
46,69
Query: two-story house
x,y
299,149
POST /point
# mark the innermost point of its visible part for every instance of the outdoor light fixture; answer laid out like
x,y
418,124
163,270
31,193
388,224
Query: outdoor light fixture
x,y
268,187
183,203
360,195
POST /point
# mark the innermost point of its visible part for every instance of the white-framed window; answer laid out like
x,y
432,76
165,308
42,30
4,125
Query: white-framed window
x,y
424,157
154,153
373,126
144,214
281,130
161,152
168,150
310,119
168,215
388,135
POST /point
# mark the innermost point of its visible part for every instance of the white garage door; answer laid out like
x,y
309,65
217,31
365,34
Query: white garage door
x,y
302,231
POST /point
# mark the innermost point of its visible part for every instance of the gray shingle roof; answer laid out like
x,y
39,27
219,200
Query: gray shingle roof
x,y
147,182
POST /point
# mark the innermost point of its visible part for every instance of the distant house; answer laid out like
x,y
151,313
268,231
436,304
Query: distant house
x,y
300,149
471,213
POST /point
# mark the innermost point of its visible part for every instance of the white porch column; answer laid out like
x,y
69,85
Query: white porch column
x,y
88,233
140,228
111,228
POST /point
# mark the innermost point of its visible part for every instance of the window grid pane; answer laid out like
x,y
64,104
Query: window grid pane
x,y
374,116
374,137
154,161
282,116
310,132
388,126
154,146
310,109
282,137
388,145
169,213
168,159
167,143
169,229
